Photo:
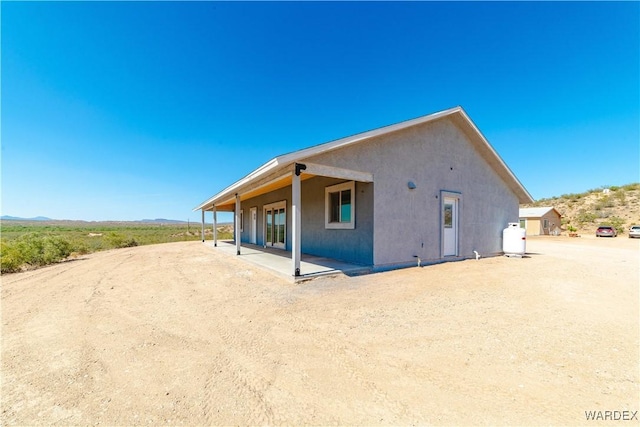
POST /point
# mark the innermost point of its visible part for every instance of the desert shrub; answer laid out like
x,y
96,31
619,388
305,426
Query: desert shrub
x,y
80,248
604,202
621,195
118,240
56,248
34,249
10,258
585,217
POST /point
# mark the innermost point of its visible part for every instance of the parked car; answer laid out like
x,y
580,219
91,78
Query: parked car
x,y
634,231
606,231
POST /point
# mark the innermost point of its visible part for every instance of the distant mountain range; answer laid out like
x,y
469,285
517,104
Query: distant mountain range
x,y
15,218
163,221
44,218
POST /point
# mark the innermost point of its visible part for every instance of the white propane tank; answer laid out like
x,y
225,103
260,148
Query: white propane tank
x,y
514,240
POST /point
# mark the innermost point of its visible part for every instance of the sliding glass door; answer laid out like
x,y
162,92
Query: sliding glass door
x,y
275,225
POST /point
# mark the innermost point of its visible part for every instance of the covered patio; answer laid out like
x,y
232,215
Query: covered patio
x,y
279,261
281,173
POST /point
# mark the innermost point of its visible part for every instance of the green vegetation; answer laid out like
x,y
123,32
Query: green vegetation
x,y
617,206
34,244
33,249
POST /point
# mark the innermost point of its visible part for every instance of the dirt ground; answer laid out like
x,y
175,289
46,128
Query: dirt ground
x,y
177,334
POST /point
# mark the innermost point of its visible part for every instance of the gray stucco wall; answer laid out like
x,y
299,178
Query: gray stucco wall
x,y
266,199
349,245
435,156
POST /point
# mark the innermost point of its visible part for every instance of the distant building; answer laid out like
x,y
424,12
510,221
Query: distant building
x,y
540,221
431,188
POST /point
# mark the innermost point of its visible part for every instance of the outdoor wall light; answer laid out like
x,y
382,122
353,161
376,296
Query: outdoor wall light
x,y
411,185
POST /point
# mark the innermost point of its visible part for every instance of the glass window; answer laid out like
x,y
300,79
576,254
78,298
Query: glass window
x,y
345,206
281,220
340,205
275,224
269,225
448,215
334,200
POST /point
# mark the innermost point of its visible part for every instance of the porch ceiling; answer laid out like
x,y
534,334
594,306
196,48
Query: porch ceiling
x,y
228,204
276,179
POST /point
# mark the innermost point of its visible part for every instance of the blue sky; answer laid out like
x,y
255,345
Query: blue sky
x,y
124,111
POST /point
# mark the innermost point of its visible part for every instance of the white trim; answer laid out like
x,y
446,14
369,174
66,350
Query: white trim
x,y
238,226
299,156
215,226
271,206
350,185
296,224
253,225
444,194
202,225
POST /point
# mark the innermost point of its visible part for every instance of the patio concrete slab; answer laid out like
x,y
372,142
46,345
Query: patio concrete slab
x,y
279,261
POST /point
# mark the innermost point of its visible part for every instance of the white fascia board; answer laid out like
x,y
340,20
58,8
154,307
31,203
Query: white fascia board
x,y
495,154
535,212
267,167
296,156
321,148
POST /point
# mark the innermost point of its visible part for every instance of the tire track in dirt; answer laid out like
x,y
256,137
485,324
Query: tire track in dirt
x,y
233,362
339,354
247,389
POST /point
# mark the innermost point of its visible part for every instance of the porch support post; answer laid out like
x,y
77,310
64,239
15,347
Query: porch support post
x,y
296,219
202,225
215,226
237,227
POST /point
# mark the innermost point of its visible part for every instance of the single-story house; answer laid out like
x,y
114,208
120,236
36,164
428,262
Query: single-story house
x,y
540,221
431,188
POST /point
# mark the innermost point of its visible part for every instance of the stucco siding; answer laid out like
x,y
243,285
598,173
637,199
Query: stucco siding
x,y
354,245
259,202
435,156
535,226
553,221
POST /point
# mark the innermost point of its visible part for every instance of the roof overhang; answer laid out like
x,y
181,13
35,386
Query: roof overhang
x,y
537,212
277,172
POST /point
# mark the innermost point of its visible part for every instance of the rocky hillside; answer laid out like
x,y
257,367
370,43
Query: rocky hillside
x,y
616,206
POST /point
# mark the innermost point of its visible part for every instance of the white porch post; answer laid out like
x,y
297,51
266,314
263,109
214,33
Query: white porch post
x,y
215,227
237,227
202,225
296,219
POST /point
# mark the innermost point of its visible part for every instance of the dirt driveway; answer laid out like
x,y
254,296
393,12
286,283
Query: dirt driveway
x,y
177,335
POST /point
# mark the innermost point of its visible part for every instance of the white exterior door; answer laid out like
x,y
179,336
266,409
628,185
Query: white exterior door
x,y
450,226
254,225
